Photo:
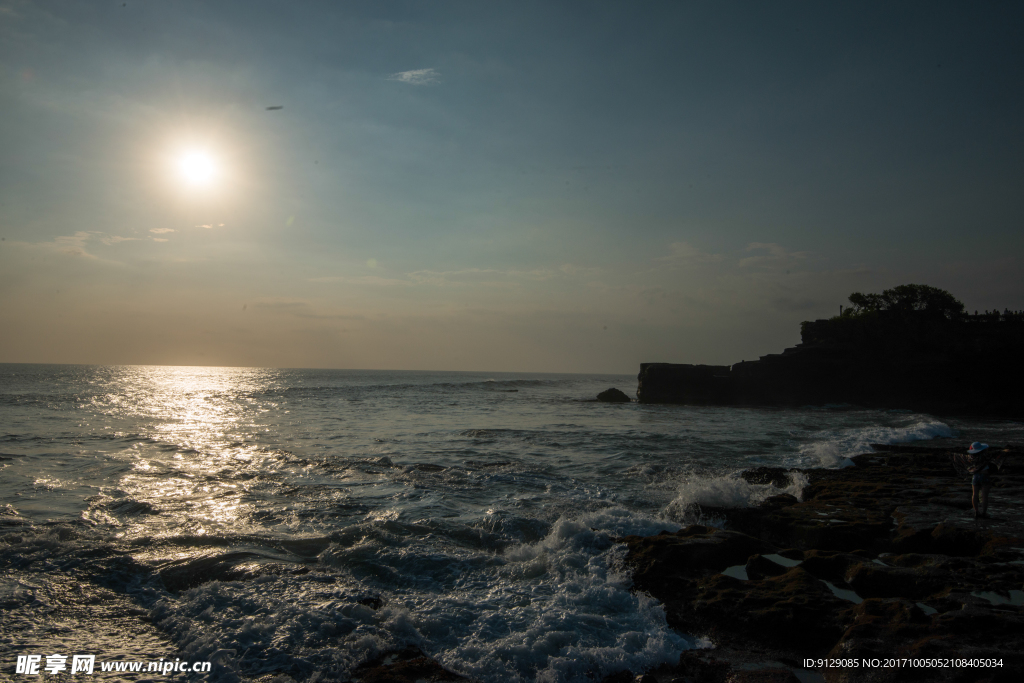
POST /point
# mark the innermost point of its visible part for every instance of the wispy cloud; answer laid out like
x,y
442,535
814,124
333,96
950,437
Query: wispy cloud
x,y
477,276
682,252
211,226
282,304
114,239
362,280
75,244
573,270
417,77
771,254
300,308
466,277
160,231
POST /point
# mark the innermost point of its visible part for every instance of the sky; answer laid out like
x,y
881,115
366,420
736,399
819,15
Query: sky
x,y
522,186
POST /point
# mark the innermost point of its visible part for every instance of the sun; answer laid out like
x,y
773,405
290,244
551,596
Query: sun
x,y
198,168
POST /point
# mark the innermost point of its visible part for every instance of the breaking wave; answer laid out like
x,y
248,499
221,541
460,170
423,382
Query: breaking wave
x,y
730,491
834,448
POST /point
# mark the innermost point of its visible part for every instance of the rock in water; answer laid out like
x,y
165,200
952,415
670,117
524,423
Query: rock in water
x,y
613,395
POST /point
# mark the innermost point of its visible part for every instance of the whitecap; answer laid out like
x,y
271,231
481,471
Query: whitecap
x,y
834,448
728,491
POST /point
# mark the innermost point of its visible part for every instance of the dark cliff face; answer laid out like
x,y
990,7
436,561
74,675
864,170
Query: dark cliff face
x,y
692,384
967,365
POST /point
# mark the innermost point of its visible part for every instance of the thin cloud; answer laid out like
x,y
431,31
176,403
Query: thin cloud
x,y
466,277
160,231
114,239
361,280
682,252
211,226
75,244
417,77
774,254
476,276
573,270
282,304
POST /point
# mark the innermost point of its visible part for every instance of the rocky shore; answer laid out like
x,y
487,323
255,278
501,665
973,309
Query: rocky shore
x,y
879,561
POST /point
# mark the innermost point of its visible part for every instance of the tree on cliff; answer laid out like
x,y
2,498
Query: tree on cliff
x,y
908,318
908,300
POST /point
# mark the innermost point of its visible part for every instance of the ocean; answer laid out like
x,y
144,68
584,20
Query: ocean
x,y
306,521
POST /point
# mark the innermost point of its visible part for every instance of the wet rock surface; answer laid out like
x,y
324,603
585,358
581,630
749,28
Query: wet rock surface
x,y
878,561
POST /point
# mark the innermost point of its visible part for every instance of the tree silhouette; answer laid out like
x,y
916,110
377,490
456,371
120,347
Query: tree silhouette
x,y
907,300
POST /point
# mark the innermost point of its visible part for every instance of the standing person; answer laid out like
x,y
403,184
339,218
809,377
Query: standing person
x,y
984,471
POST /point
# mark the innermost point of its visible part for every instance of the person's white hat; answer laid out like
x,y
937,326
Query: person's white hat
x,y
977,447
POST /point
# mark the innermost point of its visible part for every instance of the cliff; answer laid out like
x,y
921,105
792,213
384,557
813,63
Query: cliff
x,y
964,364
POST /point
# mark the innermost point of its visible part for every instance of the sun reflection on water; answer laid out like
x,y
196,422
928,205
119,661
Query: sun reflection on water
x,y
194,463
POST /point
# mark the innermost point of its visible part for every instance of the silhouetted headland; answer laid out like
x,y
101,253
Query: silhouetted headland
x,y
912,347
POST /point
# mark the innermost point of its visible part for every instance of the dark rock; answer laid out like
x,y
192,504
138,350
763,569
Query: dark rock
x,y
372,602
872,580
779,477
829,565
816,523
775,612
613,395
693,552
899,628
624,676
957,541
404,666
694,666
895,529
760,567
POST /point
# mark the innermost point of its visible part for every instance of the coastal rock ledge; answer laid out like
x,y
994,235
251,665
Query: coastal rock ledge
x,y
878,561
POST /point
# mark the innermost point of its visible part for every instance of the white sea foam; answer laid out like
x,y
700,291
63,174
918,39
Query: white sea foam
x,y
834,448
559,609
729,491
580,620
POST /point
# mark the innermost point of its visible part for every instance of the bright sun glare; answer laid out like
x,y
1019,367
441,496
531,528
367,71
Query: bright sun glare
x,y
197,167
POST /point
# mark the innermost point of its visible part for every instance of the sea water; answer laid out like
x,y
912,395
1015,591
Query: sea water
x,y
307,521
